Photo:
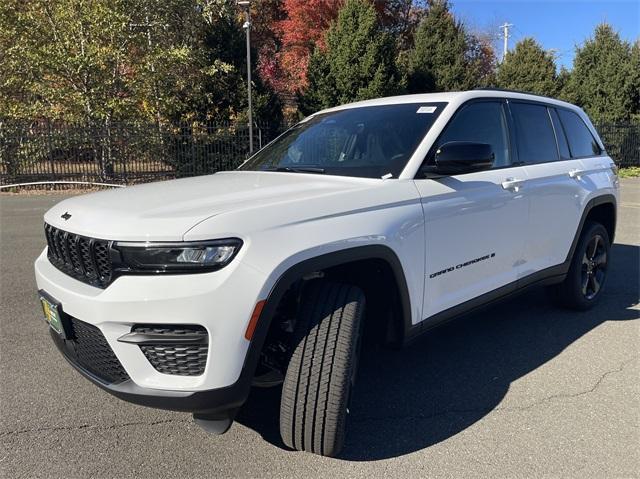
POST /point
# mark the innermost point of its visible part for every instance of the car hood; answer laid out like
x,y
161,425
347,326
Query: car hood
x,y
165,211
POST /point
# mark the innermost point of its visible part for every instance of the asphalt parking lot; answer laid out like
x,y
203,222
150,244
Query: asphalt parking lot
x,y
518,390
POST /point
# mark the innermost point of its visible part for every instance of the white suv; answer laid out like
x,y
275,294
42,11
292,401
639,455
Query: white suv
x,y
397,213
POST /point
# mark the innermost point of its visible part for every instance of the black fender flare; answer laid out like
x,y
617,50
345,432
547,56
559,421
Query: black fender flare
x,y
591,204
319,263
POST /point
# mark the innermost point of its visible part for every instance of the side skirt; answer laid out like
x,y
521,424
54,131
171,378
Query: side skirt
x,y
553,275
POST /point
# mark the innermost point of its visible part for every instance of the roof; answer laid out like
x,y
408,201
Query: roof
x,y
454,97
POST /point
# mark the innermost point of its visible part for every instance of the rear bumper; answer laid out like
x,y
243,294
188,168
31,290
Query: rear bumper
x,y
219,402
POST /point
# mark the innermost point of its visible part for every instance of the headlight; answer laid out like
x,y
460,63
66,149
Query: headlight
x,y
187,257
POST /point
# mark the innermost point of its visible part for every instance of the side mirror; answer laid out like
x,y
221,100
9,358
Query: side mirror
x,y
458,157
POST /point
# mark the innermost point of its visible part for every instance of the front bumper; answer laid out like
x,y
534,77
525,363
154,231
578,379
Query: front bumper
x,y
220,402
221,302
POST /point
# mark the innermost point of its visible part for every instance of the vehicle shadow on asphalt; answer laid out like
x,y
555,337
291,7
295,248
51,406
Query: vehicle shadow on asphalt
x,y
455,375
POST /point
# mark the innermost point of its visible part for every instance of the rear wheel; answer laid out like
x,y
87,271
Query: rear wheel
x,y
587,274
322,370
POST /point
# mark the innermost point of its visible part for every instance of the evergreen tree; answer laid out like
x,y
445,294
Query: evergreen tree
x,y
358,62
439,60
528,68
562,80
603,77
635,80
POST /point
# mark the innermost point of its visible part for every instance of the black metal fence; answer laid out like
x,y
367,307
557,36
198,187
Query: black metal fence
x,y
133,153
123,153
622,142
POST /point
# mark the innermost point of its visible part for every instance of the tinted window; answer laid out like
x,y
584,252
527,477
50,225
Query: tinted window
x,y
581,141
368,141
560,136
482,122
536,140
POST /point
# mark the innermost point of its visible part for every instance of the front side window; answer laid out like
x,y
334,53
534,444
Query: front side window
x,y
581,141
535,137
368,142
481,122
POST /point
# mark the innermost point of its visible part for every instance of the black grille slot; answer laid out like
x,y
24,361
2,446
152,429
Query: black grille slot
x,y
75,256
94,354
103,263
173,357
85,259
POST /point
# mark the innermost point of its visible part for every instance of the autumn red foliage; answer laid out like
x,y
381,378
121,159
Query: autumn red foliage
x,y
284,65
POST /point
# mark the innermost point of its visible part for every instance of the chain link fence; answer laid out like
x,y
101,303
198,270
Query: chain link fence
x,y
127,153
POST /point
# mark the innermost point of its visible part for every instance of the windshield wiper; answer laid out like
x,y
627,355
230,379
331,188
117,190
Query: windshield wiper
x,y
296,169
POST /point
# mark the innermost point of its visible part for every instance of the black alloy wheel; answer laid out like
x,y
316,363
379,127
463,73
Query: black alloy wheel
x,y
594,267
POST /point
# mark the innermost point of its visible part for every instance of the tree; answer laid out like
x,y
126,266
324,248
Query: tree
x,y
358,62
481,58
442,58
226,87
401,19
101,61
265,38
635,80
562,80
528,67
290,30
283,63
603,76
66,59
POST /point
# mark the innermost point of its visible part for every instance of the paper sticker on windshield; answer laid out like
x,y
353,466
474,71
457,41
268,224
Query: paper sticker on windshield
x,y
426,109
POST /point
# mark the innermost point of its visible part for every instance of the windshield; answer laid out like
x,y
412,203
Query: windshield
x,y
372,142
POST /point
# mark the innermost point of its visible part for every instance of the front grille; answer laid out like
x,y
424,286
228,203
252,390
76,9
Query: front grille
x,y
173,357
85,259
88,348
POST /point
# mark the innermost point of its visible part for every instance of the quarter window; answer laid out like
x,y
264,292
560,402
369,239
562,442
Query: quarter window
x,y
534,133
581,141
482,122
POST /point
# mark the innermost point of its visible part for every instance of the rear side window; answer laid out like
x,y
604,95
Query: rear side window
x,y
534,133
581,141
481,122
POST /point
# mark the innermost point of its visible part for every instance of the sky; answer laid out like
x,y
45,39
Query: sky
x,y
558,25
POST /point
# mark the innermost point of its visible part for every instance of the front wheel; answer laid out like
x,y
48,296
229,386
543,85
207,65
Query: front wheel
x,y
587,274
322,370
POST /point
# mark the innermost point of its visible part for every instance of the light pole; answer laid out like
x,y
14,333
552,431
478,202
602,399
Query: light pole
x,y
246,6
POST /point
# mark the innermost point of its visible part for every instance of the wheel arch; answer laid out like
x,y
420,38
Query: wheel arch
x,y
325,262
602,208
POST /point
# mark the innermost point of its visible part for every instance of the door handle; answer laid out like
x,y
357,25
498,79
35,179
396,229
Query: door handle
x,y
512,184
576,174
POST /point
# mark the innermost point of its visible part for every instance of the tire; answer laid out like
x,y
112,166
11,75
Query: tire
x,y
584,283
322,369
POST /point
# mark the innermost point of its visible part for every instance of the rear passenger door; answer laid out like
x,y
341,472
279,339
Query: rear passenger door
x,y
554,195
583,146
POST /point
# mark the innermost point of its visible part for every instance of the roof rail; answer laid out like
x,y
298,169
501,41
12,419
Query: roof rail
x,y
490,88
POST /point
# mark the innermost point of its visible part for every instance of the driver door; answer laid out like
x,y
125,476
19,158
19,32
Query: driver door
x,y
475,223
